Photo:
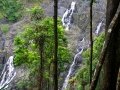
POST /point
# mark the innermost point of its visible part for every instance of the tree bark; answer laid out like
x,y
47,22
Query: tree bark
x,y
91,40
112,26
118,81
112,6
112,59
56,46
41,66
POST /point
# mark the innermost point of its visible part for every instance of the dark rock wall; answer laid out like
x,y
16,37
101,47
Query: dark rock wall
x,y
2,51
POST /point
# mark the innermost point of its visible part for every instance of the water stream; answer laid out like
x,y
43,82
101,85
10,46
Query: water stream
x,y
97,31
66,20
8,74
67,16
71,70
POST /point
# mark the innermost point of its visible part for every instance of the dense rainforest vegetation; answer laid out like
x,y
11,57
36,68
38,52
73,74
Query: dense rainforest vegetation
x,y
45,58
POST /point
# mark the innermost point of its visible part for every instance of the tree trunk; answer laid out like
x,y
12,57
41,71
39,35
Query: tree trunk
x,y
112,59
112,6
109,36
41,66
91,41
118,81
55,68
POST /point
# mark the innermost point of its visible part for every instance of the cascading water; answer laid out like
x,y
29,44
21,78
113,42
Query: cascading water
x,y
98,28
67,16
71,70
67,20
8,73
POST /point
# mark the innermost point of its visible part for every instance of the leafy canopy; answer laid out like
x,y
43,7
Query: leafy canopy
x,y
26,51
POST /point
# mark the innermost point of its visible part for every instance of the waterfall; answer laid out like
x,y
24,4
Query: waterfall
x,y
98,28
8,73
79,50
67,16
71,70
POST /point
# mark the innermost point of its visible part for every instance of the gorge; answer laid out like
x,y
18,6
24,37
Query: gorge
x,y
75,19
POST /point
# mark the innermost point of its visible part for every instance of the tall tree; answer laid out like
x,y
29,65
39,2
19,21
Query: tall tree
x,y
91,40
107,43
112,59
56,46
41,41
112,6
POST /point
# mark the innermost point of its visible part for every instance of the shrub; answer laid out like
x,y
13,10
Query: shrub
x,y
4,28
36,13
1,15
11,9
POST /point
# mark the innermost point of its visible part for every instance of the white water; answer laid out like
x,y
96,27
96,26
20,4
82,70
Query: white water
x,y
67,16
70,70
8,73
98,28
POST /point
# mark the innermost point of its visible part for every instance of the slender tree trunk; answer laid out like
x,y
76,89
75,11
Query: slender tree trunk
x,y
49,79
112,59
91,40
41,66
49,75
83,84
56,46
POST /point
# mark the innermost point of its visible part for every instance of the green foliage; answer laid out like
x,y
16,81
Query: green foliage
x,y
22,84
1,15
4,28
23,55
83,72
36,12
11,9
27,46
39,33
98,44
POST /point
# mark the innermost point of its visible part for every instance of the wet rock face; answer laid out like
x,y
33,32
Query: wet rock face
x,y
2,52
6,50
81,14
62,6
